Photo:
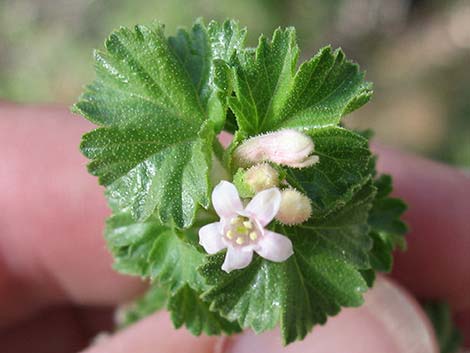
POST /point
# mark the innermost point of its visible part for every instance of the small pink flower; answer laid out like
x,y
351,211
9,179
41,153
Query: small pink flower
x,y
241,229
287,147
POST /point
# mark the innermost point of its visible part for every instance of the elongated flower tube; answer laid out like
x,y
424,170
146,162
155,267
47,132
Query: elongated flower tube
x,y
242,229
286,147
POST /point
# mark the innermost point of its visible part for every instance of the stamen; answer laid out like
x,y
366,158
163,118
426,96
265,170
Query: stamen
x,y
248,224
253,236
230,234
240,240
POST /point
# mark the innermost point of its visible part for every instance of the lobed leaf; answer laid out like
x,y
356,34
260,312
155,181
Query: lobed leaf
x,y
151,250
159,102
345,165
271,95
387,229
314,283
188,309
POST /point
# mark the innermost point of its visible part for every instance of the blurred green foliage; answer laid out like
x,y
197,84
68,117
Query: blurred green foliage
x,y
416,52
46,45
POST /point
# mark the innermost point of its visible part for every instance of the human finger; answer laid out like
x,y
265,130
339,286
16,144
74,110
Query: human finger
x,y
153,334
51,244
437,262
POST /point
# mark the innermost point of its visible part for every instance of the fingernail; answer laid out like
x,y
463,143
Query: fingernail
x,y
390,321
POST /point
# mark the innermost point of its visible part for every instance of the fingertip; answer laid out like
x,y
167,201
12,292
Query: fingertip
x,y
436,263
53,212
155,334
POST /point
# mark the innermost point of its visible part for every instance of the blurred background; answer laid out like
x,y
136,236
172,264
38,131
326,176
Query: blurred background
x,y
417,53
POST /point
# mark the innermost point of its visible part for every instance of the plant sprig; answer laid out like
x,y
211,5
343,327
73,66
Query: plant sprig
x,y
160,102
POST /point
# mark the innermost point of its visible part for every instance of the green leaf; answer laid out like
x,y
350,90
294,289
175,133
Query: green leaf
x,y
381,258
271,95
369,276
321,276
387,229
158,103
297,293
152,301
448,336
386,212
185,306
345,233
151,250
263,78
205,53
188,309
344,167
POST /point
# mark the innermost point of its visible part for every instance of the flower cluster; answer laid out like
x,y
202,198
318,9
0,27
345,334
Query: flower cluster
x,y
242,230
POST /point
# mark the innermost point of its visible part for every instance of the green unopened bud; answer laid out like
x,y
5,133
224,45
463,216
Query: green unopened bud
x,y
257,178
261,177
295,207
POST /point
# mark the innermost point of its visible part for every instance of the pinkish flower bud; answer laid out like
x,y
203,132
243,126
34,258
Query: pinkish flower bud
x,y
261,177
286,147
295,207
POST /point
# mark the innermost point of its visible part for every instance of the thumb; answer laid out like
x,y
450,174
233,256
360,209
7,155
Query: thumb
x,y
390,321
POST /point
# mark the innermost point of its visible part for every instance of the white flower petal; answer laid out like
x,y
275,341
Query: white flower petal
x,y
236,259
226,200
265,205
210,238
275,247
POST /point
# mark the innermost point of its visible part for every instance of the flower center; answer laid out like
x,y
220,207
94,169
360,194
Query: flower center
x,y
242,231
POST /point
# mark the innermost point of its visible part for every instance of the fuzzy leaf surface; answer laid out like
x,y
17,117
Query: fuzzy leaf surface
x,y
321,276
387,229
151,250
158,102
272,94
343,168
187,308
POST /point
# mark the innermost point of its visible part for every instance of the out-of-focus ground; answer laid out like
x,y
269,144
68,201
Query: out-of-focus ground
x,y
417,52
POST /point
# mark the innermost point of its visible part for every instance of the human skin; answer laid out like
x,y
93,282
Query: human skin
x,y
57,287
